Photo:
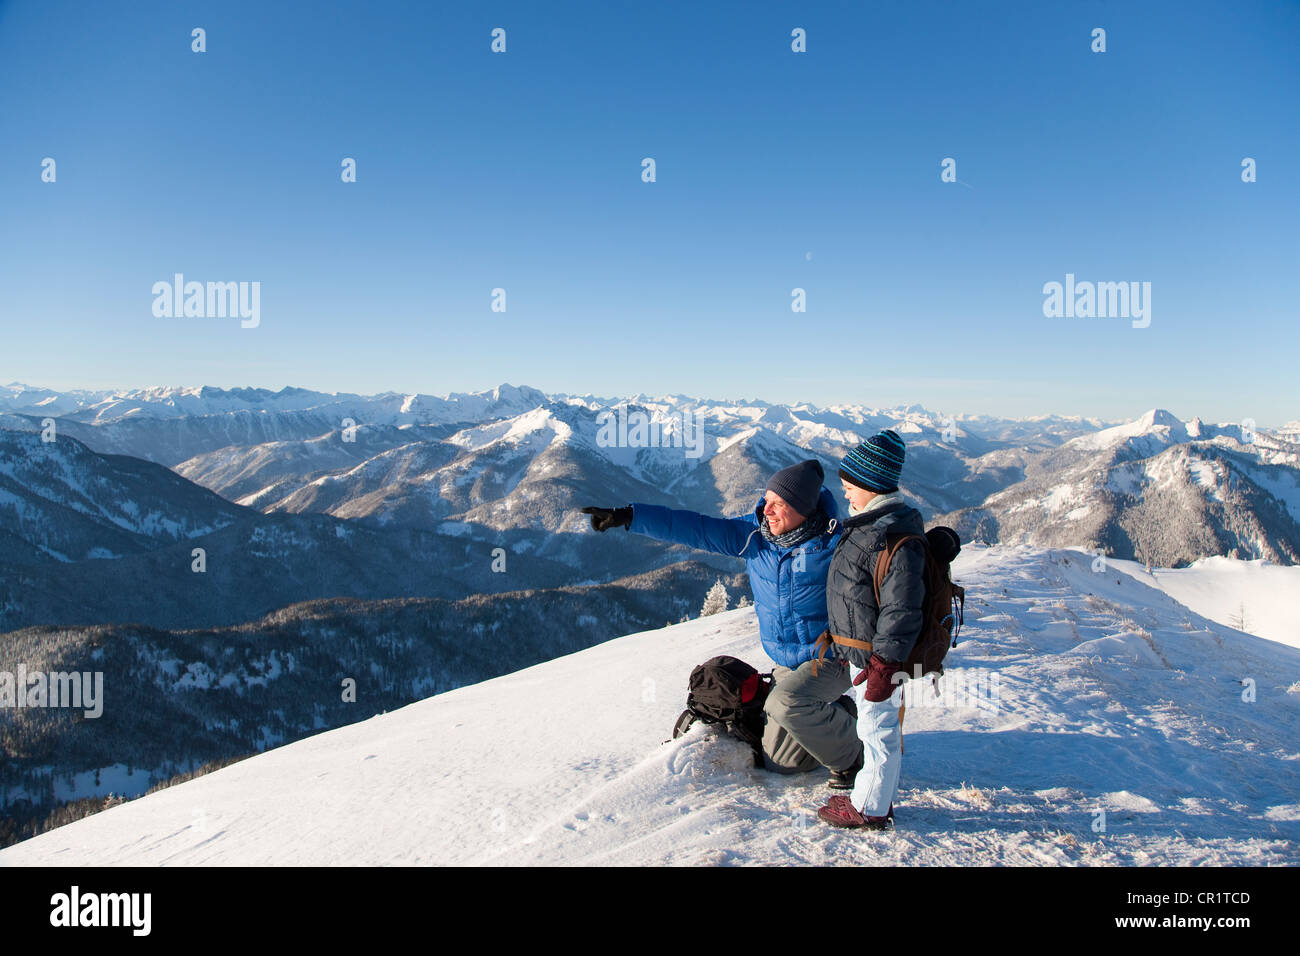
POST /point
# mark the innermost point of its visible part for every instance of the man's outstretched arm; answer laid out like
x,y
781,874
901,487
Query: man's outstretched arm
x,y
720,535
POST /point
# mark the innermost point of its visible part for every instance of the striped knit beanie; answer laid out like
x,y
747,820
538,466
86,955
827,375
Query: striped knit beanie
x,y
875,464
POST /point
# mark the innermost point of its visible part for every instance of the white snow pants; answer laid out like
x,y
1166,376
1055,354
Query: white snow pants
x,y
882,760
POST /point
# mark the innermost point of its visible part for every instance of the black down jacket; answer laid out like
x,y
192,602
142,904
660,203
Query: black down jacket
x,y
894,627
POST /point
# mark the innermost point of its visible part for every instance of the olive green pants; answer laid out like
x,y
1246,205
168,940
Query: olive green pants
x,y
805,727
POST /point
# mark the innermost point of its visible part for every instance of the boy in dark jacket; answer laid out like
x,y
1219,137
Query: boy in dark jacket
x,y
875,637
787,542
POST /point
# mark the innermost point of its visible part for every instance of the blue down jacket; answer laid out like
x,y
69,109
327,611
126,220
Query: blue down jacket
x,y
789,584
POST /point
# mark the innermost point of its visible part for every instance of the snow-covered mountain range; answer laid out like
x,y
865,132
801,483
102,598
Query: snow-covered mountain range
x,y
1086,718
517,462
1156,489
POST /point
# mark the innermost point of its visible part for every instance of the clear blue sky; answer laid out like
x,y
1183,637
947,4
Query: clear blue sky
x,y
523,171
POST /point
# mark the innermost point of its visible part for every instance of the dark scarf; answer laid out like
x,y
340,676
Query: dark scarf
x,y
811,528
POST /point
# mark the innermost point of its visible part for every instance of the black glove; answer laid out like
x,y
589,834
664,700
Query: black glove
x,y
602,519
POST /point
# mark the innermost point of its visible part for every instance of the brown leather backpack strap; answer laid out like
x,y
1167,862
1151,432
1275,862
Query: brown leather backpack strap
x,y
892,544
851,642
823,645
860,645
826,639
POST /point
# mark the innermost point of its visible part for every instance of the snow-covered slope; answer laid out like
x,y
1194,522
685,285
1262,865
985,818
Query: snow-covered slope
x,y
1258,597
1110,696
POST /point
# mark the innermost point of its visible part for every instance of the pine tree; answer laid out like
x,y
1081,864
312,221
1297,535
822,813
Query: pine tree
x,y
716,600
1239,621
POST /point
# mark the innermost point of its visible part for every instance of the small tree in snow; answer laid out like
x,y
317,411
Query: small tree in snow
x,y
716,600
1239,621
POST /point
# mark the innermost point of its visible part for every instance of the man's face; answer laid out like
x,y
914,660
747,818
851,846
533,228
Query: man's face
x,y
857,497
780,516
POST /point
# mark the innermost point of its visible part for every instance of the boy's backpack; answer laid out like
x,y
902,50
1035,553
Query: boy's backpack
x,y
726,690
945,603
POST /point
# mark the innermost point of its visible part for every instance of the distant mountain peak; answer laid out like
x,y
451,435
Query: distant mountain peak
x,y
1157,425
1158,417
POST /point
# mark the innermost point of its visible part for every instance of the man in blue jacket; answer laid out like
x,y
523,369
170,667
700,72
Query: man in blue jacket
x,y
787,543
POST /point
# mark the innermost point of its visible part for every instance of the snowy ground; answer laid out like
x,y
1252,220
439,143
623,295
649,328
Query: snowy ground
x,y
1110,696
1225,590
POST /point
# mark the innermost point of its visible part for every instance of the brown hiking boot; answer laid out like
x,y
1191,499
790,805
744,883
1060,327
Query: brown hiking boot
x,y
840,812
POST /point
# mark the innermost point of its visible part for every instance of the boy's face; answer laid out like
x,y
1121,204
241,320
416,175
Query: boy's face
x,y
858,498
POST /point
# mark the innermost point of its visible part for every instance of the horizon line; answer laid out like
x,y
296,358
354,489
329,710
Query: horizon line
x,y
123,392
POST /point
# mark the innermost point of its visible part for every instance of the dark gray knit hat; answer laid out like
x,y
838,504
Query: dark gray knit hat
x,y
800,486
